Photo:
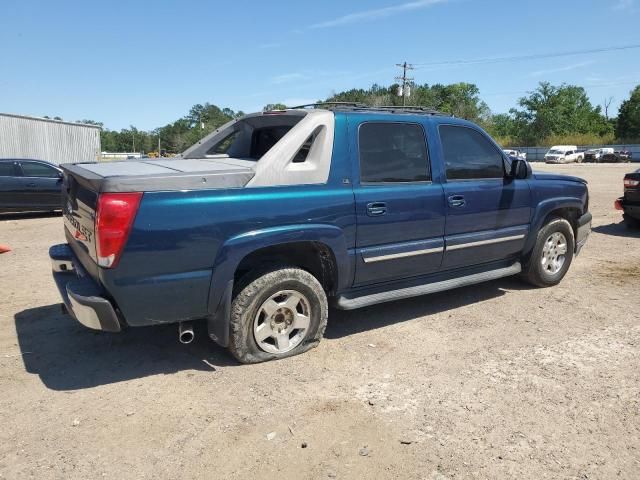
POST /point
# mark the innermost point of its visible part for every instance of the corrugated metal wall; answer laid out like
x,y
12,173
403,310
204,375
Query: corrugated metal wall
x,y
50,140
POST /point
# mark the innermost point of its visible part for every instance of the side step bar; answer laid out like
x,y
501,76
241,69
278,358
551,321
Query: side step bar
x,y
350,303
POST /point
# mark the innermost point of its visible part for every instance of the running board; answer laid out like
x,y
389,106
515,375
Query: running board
x,y
347,303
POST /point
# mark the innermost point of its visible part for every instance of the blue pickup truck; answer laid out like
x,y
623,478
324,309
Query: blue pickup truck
x,y
262,225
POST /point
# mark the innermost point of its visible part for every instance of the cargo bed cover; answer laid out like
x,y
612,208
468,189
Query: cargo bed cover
x,y
150,176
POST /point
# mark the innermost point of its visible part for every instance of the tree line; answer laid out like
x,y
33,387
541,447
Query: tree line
x,y
551,114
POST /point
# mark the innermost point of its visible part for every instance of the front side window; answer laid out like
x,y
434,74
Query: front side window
x,y
33,169
469,155
392,152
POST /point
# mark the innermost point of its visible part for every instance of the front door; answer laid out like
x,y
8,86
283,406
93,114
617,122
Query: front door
x,y
400,212
488,213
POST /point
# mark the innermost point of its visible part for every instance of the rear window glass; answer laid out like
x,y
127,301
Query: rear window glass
x,y
6,169
392,152
264,139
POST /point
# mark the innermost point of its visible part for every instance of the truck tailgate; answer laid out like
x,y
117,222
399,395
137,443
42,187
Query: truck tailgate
x,y
79,210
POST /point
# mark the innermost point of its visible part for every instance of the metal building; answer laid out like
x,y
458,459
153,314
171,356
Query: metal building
x,y
51,140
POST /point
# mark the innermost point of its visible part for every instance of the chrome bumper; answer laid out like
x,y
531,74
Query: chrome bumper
x,y
82,296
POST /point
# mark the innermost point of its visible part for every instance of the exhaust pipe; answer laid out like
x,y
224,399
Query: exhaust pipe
x,y
185,332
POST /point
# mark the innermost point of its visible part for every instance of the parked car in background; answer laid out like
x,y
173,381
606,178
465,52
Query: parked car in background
x,y
595,154
616,157
29,186
629,203
262,224
564,154
515,154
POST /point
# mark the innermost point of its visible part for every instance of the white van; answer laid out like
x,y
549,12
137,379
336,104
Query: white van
x,y
563,154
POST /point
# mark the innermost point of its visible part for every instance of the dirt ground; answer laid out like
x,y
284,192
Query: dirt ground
x,y
498,380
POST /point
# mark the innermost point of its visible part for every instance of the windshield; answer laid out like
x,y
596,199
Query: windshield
x,y
556,152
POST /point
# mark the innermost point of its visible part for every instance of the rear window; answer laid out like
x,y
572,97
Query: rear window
x,y
7,170
392,152
264,139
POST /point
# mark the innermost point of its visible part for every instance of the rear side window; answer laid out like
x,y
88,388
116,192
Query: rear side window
x,y
7,170
33,169
392,152
469,155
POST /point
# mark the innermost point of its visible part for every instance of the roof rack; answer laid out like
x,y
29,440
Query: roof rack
x,y
329,104
354,106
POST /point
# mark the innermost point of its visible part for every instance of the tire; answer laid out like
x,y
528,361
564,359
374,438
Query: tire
x,y
268,306
579,159
540,269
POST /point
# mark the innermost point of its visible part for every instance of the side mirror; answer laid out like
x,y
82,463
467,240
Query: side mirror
x,y
520,169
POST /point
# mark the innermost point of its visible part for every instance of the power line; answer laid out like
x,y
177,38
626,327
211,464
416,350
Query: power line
x,y
405,81
518,58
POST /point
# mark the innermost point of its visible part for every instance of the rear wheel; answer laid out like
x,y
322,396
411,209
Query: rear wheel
x,y
552,254
277,313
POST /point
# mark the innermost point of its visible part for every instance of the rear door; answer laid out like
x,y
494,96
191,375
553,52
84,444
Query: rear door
x,y
42,185
488,214
399,211
10,185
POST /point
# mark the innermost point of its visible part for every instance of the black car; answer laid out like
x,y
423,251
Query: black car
x,y
29,186
630,203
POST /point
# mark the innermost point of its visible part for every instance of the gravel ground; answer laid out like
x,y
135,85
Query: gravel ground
x,y
498,380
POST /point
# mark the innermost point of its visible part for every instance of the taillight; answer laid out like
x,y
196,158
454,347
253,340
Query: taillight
x,y
618,204
114,217
630,183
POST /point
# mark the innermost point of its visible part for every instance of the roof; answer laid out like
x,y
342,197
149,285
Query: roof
x,y
49,120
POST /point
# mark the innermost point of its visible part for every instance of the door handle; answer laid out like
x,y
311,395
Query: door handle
x,y
456,201
31,184
375,209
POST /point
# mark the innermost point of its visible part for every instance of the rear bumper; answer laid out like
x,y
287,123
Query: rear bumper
x,y
84,298
630,209
583,230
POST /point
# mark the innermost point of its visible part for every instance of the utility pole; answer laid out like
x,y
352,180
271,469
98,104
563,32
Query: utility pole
x,y
159,154
406,82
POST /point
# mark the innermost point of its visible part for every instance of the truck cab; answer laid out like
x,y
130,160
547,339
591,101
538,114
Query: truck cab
x,y
264,223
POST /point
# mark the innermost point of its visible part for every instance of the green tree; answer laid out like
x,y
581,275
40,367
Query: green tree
x,y
557,111
628,123
459,99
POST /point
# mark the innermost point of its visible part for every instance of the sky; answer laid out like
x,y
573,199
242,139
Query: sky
x,y
145,63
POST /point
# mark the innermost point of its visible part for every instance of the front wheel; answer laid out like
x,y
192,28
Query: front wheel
x,y
552,254
277,313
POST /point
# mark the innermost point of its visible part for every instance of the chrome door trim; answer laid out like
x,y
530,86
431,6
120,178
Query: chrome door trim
x,y
413,253
486,242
